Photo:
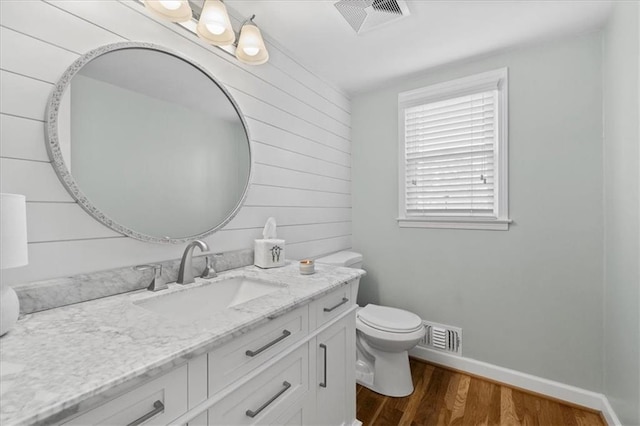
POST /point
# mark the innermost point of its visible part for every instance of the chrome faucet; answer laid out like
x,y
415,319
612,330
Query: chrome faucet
x,y
185,274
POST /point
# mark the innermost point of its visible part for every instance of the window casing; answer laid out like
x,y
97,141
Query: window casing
x,y
453,154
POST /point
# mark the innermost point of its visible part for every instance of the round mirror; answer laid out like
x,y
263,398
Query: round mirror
x,y
148,143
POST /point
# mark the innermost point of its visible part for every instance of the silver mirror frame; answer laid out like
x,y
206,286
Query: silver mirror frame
x,y
61,169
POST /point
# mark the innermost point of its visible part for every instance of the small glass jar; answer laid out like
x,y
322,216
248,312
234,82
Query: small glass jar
x,y
307,267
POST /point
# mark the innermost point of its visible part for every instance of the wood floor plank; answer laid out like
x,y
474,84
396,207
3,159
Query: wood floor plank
x,y
367,405
433,399
420,382
460,404
568,416
508,414
494,405
444,397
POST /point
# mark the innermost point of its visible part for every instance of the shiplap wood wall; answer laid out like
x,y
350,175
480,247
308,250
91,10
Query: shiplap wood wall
x,y
299,127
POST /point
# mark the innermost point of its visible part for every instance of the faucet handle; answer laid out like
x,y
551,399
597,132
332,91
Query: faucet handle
x,y
208,271
156,283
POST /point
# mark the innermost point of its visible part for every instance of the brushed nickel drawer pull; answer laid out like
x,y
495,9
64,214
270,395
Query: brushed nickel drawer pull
x,y
285,334
252,414
344,300
158,407
323,384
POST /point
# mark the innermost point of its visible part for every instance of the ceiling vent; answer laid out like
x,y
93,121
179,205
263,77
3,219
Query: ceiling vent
x,y
365,15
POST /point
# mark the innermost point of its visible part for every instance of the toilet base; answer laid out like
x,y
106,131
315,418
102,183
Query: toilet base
x,y
391,375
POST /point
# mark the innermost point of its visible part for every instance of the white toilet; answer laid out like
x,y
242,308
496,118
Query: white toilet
x,y
384,336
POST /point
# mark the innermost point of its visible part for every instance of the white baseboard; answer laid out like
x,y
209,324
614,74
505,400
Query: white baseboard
x,y
564,392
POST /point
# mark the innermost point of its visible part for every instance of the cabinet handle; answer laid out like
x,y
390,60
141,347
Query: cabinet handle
x,y
285,334
158,407
344,300
323,383
252,414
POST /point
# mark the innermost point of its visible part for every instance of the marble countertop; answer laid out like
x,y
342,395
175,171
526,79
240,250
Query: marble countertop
x,y
61,361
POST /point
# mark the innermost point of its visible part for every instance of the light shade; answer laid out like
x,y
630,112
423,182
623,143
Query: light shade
x,y
214,25
171,10
13,231
251,49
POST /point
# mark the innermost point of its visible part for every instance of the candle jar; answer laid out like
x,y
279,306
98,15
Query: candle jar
x,y
307,267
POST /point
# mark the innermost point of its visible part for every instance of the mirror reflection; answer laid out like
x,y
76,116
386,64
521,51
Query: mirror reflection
x,y
154,144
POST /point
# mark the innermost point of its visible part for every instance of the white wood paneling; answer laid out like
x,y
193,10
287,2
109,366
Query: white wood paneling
x,y
276,196
276,176
251,217
62,221
23,96
317,248
289,65
299,126
34,179
22,138
268,134
258,109
22,54
45,22
276,156
303,233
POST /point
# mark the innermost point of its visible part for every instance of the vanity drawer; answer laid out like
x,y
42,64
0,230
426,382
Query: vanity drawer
x,y
238,357
267,397
333,304
166,396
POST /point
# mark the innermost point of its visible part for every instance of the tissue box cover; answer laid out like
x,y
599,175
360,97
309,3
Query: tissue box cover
x,y
268,253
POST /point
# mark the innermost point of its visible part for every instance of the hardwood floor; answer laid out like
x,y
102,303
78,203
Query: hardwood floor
x,y
447,397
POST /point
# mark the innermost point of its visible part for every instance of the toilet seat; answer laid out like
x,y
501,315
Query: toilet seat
x,y
390,320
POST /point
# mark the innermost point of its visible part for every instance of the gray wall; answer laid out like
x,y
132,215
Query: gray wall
x,y
622,213
529,298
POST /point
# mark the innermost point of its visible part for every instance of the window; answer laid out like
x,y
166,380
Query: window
x,y
453,154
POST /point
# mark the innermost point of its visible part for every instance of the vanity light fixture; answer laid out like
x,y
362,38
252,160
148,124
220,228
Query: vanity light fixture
x,y
214,26
251,49
171,10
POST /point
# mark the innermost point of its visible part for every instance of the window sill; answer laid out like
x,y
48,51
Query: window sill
x,y
456,223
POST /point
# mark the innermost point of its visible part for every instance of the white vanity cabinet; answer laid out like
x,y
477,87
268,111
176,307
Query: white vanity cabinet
x,y
335,373
297,369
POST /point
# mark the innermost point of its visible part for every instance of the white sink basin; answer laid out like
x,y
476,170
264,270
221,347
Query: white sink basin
x,y
201,301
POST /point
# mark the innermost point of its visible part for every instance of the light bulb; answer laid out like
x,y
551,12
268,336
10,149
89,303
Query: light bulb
x,y
216,28
251,50
171,10
170,4
214,25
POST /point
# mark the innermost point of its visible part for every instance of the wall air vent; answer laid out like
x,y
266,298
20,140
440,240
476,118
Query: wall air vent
x,y
442,338
365,15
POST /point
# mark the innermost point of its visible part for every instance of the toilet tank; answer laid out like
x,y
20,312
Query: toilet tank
x,y
350,259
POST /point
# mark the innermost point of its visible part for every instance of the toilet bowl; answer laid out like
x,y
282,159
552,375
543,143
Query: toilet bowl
x,y
384,336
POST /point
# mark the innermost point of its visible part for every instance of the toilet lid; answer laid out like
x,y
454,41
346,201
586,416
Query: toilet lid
x,y
389,319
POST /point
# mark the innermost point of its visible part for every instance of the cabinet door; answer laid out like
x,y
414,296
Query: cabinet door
x,y
335,385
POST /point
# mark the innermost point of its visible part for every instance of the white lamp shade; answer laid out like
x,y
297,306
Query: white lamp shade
x,y
171,10
214,25
13,231
251,49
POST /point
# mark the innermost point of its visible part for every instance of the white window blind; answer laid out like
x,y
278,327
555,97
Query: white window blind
x,y
452,154
449,156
